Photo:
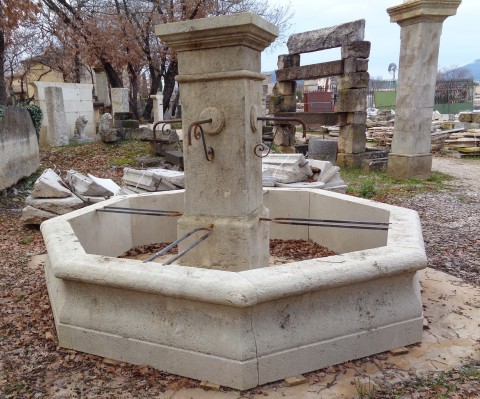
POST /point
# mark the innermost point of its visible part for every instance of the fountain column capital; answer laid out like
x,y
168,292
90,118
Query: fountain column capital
x,y
245,29
416,11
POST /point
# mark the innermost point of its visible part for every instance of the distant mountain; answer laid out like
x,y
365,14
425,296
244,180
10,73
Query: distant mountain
x,y
474,69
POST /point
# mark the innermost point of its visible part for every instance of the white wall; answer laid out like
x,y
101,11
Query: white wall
x,y
78,101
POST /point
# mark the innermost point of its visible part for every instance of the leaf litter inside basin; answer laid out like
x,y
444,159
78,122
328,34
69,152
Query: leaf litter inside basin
x,y
281,251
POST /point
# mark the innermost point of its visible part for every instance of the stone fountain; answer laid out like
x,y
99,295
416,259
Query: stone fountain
x,y
220,314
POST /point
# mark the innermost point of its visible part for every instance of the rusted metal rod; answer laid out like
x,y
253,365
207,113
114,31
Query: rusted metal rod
x,y
165,122
341,224
198,133
175,243
285,119
139,211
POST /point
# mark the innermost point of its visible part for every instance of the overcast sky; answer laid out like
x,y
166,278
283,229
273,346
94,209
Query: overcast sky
x,y
460,42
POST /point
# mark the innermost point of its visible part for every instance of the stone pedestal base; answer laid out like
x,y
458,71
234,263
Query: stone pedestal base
x,y
236,243
406,166
356,160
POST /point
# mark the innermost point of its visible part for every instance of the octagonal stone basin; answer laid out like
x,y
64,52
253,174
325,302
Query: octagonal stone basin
x,y
237,329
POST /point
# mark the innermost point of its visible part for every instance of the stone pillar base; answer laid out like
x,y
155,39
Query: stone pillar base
x,y
236,243
345,160
406,166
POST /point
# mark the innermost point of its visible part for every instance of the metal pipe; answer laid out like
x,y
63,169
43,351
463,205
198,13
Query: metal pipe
x,y
341,224
175,243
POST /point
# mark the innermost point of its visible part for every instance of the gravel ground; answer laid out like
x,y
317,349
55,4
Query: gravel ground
x,y
451,219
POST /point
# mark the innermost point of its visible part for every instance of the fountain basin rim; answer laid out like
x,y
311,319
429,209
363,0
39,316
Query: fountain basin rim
x,y
402,254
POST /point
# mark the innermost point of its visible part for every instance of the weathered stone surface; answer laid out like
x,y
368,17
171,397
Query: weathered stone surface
x,y
285,135
287,168
358,80
323,149
154,179
19,153
109,135
101,88
360,49
31,215
58,206
80,124
352,118
105,122
351,100
352,139
288,61
90,185
352,65
322,70
282,103
120,101
50,185
57,122
465,117
286,88
130,124
406,166
157,107
325,38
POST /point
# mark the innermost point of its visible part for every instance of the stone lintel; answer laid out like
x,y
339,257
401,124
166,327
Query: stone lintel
x,y
314,71
359,49
325,38
245,29
313,119
406,166
416,11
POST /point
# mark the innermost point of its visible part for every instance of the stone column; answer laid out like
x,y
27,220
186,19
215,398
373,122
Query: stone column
x,y
157,107
219,75
120,101
57,129
421,27
101,88
284,99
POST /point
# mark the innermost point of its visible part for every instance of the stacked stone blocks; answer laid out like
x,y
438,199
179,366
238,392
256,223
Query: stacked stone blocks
x,y
351,72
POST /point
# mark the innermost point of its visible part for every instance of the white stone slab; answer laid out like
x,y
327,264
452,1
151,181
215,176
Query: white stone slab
x,y
86,186
287,168
58,206
50,185
108,184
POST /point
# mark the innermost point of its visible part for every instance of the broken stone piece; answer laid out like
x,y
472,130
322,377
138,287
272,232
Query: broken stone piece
x,y
91,186
50,185
31,215
288,168
57,206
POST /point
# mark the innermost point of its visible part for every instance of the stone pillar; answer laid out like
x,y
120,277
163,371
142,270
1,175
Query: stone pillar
x,y
284,99
101,88
120,101
57,129
352,98
219,75
157,107
421,27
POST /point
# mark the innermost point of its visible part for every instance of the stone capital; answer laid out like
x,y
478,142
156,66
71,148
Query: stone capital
x,y
416,11
244,29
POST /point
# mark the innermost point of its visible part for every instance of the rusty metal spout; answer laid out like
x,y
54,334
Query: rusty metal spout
x,y
285,119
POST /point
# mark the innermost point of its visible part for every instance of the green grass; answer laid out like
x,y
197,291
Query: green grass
x,y
129,150
379,185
